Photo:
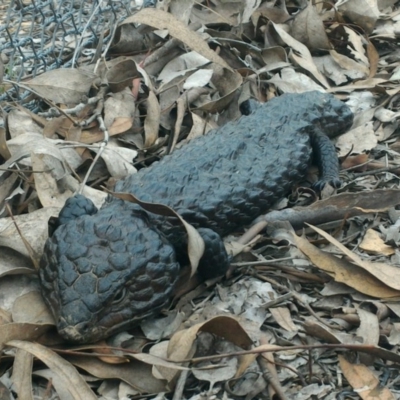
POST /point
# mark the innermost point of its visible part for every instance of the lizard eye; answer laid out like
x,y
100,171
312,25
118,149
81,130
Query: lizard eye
x,y
119,296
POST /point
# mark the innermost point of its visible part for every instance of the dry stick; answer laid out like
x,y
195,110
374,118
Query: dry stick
x,y
268,375
262,262
32,254
97,112
376,171
253,231
79,41
278,300
356,166
295,372
310,369
161,52
54,112
267,366
355,347
17,170
365,348
180,385
103,55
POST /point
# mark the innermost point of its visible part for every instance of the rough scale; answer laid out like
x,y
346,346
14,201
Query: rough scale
x,y
103,271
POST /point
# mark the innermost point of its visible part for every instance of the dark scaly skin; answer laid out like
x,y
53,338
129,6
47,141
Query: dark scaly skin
x,y
102,272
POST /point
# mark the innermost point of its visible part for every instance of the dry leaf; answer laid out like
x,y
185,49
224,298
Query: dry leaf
x,y
21,123
217,13
361,12
317,329
70,380
24,331
152,120
387,274
308,29
352,69
30,308
119,159
33,227
52,169
157,329
62,86
181,342
373,244
181,66
162,20
4,151
364,382
301,55
227,83
11,263
200,127
357,140
22,374
290,81
283,318
345,272
369,327
121,74
119,112
134,373
198,79
195,241
331,69
223,373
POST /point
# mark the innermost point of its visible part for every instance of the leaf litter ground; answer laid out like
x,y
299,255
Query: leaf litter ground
x,y
304,312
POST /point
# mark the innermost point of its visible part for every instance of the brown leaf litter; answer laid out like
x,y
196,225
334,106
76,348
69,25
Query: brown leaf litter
x,y
305,314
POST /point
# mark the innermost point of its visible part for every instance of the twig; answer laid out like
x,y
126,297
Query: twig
x,y
252,232
376,171
365,348
161,52
103,55
267,366
97,113
261,262
79,42
32,254
180,385
356,166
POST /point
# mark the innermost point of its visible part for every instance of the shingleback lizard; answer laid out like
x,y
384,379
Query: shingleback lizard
x,y
104,270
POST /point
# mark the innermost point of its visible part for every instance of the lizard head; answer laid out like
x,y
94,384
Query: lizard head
x,y
104,272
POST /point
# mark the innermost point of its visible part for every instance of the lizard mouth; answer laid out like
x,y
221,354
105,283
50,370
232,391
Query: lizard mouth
x,y
80,333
